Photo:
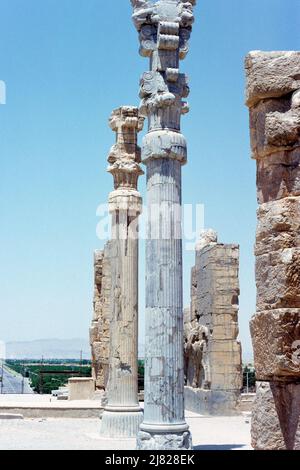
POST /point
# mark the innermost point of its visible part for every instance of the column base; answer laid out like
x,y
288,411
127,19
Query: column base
x,y
168,439
121,423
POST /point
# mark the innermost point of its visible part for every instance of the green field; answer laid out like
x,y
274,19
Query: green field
x,y
47,376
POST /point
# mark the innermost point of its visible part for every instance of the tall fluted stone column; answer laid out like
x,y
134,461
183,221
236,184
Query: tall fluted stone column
x,y
122,414
273,96
164,29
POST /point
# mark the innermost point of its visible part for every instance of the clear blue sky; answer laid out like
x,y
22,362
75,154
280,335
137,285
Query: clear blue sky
x,y
67,64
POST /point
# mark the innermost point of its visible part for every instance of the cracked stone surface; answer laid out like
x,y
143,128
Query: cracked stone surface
x,y
122,414
164,28
213,363
273,96
100,328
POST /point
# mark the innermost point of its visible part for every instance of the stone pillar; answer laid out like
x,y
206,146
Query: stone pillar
x,y
164,29
122,414
100,329
273,96
212,351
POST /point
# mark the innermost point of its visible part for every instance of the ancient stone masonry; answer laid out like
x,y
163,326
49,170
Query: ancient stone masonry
x,y
164,29
122,415
99,331
273,96
213,364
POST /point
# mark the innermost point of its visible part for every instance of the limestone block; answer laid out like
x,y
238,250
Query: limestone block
x,y
93,333
225,326
81,388
212,402
100,350
224,346
98,263
230,382
278,226
276,342
278,176
278,279
271,75
275,421
260,145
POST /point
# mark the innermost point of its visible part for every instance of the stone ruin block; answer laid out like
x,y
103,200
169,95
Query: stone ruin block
x,y
275,423
271,75
278,176
278,226
100,328
278,279
276,342
273,97
213,361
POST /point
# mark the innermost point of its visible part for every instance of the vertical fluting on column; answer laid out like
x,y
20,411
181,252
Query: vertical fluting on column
x,y
164,28
273,97
122,414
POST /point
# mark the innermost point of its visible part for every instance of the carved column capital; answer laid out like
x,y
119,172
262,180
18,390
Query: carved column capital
x,y
125,155
164,29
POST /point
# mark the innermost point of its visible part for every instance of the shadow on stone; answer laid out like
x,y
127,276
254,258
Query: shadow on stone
x,y
287,403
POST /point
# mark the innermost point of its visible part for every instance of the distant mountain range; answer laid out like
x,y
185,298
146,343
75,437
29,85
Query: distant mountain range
x,y
52,349
49,349
65,349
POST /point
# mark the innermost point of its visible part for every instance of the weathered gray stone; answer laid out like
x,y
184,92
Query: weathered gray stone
x,y
273,96
122,414
164,440
213,361
99,331
275,335
278,279
278,176
271,75
213,402
164,28
275,423
278,226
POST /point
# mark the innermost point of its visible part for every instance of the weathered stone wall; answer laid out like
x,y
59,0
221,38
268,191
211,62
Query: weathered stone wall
x,y
212,351
100,328
273,96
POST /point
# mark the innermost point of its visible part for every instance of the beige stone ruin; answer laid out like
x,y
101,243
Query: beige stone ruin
x,y
100,328
213,364
273,96
122,413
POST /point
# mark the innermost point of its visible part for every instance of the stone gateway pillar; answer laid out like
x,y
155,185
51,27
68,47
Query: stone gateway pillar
x,y
164,29
122,414
213,357
273,96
